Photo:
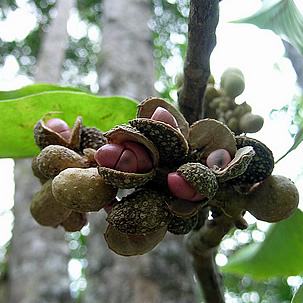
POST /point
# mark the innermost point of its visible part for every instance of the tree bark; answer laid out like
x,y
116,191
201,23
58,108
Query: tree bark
x,y
39,255
163,275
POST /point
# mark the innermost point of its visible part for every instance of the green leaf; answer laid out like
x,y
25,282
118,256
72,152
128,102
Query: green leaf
x,y
34,89
282,17
298,297
297,141
280,254
20,115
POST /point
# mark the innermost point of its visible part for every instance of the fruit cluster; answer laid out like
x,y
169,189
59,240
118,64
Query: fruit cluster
x,y
220,103
173,171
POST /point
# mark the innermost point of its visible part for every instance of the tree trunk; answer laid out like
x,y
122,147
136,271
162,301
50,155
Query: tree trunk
x,y
39,255
164,274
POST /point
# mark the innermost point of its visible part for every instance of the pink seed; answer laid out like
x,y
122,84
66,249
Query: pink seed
x,y
218,158
180,188
57,125
161,114
108,155
144,162
127,162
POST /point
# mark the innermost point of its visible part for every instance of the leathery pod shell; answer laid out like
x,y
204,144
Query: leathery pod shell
x,y
121,179
82,190
45,136
138,223
55,158
141,212
261,165
237,166
274,199
169,140
207,135
148,106
200,177
74,222
45,209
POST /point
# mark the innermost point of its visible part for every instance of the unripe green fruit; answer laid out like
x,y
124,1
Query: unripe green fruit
x,y
233,85
232,123
231,71
273,200
250,123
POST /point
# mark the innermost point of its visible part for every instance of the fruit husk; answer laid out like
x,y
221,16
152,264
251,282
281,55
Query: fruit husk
x,y
171,144
261,165
74,222
45,136
45,209
82,190
274,199
237,166
36,171
202,179
131,244
55,158
124,180
182,226
91,137
147,107
208,135
142,212
183,208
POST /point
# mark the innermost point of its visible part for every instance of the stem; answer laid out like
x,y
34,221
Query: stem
x,y
202,245
203,20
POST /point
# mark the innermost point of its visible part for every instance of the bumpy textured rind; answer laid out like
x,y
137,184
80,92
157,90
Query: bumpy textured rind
x,y
183,208
171,144
74,222
55,158
142,212
45,209
124,180
82,190
182,226
131,245
261,165
273,200
45,136
200,177
237,166
147,107
91,137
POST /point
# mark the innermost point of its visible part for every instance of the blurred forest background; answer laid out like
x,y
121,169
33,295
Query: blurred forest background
x,y
136,48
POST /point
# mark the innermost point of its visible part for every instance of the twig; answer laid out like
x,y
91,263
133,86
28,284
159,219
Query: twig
x,y
202,244
203,20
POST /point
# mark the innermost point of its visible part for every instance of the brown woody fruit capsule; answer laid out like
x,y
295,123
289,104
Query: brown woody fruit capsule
x,y
55,158
182,226
273,200
91,137
74,222
82,190
45,209
50,135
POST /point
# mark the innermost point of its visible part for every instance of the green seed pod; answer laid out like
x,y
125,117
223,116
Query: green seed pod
x,y
45,209
55,158
233,86
82,190
273,200
74,222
